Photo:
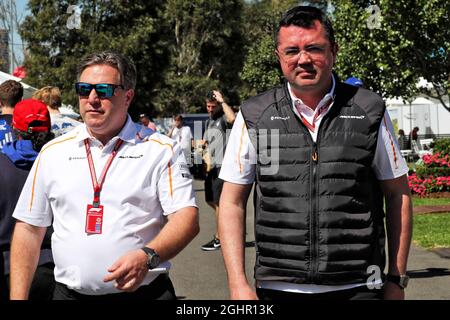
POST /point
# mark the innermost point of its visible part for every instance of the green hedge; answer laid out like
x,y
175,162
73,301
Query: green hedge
x,y
423,171
442,146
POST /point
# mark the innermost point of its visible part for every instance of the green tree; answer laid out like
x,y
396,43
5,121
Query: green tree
x,y
129,27
413,41
204,38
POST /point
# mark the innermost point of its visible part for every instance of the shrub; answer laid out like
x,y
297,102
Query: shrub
x,y
422,186
437,165
433,172
442,146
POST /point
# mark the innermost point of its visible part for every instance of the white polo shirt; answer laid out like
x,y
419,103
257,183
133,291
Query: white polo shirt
x,y
239,166
147,181
183,136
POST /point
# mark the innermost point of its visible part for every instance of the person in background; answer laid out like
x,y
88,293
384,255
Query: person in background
x,y
145,120
221,118
11,92
51,96
115,231
325,167
182,135
414,136
31,123
402,139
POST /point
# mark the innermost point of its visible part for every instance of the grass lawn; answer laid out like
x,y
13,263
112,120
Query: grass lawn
x,y
432,230
429,201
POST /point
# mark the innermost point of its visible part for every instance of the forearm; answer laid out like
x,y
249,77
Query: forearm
x,y
232,234
232,240
399,232
181,228
399,227
169,134
25,251
229,113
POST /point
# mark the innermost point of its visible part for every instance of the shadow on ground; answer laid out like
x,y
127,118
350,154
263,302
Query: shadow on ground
x,y
429,273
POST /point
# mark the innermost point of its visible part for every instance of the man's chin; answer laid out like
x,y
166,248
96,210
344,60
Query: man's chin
x,y
94,123
305,85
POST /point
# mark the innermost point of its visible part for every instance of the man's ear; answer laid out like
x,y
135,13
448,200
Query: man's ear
x,y
335,49
277,54
129,97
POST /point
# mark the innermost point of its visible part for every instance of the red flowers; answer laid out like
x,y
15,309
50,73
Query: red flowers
x,y
432,175
430,184
436,160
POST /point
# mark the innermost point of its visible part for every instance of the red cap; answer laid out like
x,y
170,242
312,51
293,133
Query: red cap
x,y
29,110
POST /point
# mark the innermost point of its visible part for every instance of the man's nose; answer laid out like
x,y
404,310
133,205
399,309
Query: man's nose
x,y
304,57
93,98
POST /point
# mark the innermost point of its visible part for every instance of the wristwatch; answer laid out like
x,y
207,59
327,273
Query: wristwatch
x,y
153,258
401,280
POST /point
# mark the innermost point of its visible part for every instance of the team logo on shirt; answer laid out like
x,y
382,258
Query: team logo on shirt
x,y
130,157
77,158
184,169
352,117
279,118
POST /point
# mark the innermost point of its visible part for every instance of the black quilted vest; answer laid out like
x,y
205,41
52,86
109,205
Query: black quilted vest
x,y
319,215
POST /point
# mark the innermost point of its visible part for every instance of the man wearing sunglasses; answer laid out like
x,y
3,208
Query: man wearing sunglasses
x,y
121,206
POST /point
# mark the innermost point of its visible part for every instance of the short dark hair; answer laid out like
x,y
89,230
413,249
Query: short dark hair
x,y
38,139
125,66
304,16
11,93
179,117
209,97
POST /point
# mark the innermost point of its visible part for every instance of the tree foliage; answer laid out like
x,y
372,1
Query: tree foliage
x,y
411,43
204,39
129,27
183,48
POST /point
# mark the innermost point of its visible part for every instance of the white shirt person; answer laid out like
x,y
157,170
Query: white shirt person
x,y
144,199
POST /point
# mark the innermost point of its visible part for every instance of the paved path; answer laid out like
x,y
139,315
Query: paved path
x,y
432,209
200,275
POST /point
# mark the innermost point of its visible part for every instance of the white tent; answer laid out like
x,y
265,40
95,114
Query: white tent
x,y
431,117
27,89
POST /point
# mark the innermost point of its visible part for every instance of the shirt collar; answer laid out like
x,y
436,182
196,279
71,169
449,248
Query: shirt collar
x,y
326,98
127,134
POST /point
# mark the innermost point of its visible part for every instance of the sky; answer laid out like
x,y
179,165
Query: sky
x,y
21,10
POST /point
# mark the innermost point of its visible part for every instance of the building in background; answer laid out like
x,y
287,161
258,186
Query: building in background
x,y
430,116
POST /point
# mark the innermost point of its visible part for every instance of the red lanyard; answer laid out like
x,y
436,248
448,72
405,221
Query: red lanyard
x,y
97,185
310,126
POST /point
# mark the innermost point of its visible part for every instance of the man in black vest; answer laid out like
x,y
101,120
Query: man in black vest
x,y
322,155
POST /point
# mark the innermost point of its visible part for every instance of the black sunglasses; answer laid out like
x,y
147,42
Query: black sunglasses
x,y
104,90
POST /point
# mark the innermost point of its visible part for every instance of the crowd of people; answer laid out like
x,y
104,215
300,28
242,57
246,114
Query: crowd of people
x,y
319,152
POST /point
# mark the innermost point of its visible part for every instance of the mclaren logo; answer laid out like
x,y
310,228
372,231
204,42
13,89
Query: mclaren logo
x,y
352,117
279,118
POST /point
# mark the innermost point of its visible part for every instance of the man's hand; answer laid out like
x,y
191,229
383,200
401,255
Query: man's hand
x,y
218,96
129,271
391,291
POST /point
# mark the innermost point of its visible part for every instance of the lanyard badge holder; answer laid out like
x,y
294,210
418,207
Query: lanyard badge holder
x,y
94,211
